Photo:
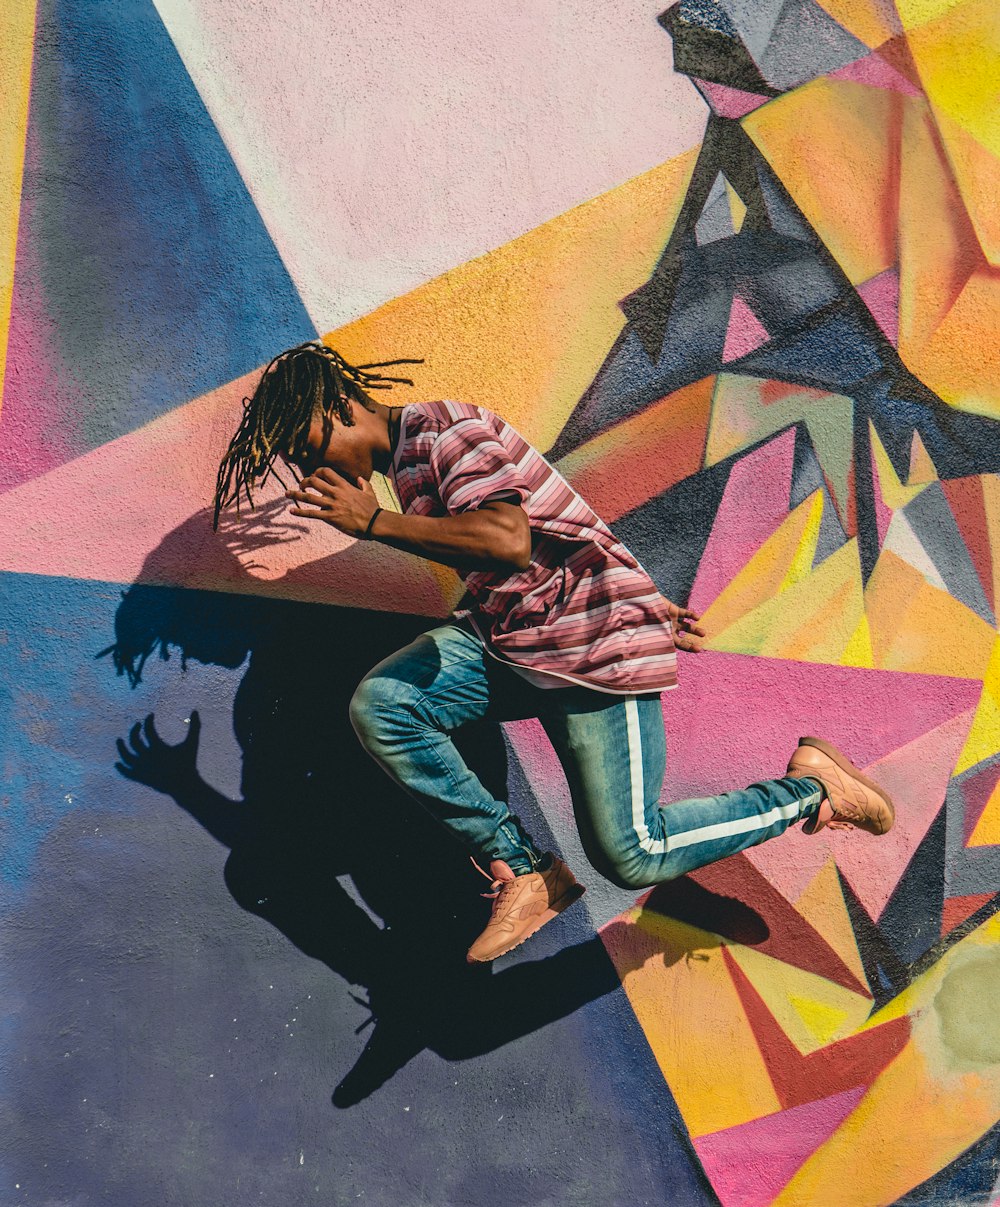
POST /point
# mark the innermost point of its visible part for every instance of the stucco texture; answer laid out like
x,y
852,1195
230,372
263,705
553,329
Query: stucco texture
x,y
748,305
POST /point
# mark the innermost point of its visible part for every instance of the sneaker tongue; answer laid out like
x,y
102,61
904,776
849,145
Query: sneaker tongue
x,y
501,871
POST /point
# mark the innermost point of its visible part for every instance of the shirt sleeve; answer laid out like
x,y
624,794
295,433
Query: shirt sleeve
x,y
471,467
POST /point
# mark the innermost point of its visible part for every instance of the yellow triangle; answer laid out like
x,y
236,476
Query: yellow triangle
x,y
822,905
825,1022
762,577
858,651
706,1052
914,13
538,314
956,54
894,493
803,1003
987,831
17,27
802,562
863,18
984,736
922,469
810,621
737,210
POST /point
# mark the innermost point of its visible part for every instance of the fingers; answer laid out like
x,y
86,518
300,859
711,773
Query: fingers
x,y
128,757
302,496
194,729
307,515
687,642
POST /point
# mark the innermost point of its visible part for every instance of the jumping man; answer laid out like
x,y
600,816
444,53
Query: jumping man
x,y
561,623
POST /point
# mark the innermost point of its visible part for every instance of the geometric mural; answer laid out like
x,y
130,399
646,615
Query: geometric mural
x,y
772,366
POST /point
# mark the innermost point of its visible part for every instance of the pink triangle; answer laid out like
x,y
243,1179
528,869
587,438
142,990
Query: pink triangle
x,y
874,71
748,1165
881,295
173,460
730,102
739,531
745,332
916,775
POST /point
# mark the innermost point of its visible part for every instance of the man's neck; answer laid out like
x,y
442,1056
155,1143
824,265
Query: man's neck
x,y
387,438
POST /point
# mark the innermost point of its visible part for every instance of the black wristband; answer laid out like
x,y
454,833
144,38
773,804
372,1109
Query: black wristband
x,y
367,534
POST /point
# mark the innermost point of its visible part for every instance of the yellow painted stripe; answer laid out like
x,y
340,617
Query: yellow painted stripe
x,y
17,35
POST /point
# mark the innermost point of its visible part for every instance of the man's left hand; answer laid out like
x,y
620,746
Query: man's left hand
x,y
688,633
326,496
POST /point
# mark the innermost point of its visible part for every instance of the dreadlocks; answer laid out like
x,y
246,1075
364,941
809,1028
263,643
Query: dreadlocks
x,y
297,384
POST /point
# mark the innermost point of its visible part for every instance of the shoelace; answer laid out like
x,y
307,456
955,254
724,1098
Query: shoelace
x,y
496,886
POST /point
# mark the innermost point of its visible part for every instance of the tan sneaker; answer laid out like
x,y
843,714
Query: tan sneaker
x,y
852,800
522,905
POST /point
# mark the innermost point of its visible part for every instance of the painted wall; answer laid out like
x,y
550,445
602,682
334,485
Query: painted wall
x,y
750,307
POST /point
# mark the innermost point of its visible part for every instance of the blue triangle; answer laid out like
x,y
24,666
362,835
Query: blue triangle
x,y
835,354
911,921
157,274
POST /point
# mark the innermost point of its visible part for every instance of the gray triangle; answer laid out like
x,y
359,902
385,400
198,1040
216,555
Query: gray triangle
x,y
968,870
807,477
715,223
755,21
806,43
780,214
932,521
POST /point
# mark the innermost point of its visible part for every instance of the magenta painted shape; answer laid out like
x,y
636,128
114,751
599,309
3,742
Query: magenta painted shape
x,y
748,1165
735,719
730,102
739,531
883,513
745,332
881,296
874,71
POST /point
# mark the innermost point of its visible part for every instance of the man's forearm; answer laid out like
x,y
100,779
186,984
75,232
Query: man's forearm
x,y
495,537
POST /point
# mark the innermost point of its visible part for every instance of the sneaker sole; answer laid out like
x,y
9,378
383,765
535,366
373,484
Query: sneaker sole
x,y
573,893
845,764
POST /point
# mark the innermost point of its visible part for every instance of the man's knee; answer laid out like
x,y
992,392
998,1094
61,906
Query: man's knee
x,y
378,705
626,869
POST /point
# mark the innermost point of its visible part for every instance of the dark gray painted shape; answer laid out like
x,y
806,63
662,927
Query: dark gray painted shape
x,y
806,43
934,524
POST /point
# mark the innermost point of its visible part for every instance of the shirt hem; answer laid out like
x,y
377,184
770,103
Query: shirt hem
x,y
569,680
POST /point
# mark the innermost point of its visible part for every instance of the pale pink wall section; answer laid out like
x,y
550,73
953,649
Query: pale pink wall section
x,y
385,144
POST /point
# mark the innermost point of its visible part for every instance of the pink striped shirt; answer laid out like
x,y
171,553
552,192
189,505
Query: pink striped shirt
x,y
584,611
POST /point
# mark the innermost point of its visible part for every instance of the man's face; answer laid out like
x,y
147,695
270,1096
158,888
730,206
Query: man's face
x,y
330,443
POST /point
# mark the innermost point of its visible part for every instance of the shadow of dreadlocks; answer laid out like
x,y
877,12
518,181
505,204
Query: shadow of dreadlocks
x,y
316,808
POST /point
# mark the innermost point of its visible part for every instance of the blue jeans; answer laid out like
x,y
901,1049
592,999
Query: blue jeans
x,y
612,749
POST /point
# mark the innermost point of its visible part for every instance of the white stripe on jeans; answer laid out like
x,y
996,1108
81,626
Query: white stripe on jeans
x,y
652,846
742,825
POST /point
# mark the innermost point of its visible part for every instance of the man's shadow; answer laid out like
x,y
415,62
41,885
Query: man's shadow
x,y
316,808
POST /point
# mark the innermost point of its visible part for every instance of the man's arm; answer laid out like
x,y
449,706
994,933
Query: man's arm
x,y
496,536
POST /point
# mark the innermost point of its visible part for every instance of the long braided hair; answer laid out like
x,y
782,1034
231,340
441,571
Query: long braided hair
x,y
298,383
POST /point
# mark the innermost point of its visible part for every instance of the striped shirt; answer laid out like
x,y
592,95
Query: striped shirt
x,y
584,611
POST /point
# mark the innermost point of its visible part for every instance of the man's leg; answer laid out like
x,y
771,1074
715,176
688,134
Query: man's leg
x,y
613,750
405,712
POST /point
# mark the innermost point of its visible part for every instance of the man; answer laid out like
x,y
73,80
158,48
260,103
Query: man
x,y
562,623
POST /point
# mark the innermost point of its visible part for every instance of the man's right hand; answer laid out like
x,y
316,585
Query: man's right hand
x,y
688,633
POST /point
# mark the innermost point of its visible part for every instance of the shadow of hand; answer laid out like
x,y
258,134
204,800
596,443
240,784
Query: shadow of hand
x,y
147,759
